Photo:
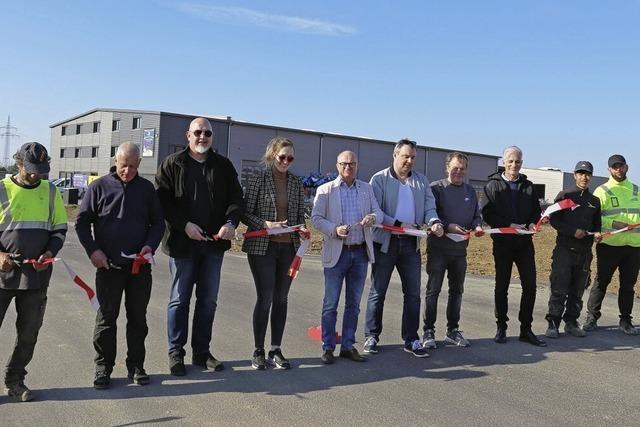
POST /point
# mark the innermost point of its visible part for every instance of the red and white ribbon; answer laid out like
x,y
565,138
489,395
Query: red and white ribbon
x,y
263,232
556,207
139,260
402,230
620,230
297,260
91,295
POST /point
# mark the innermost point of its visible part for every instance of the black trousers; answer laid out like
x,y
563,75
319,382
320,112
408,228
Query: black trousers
x,y
110,285
30,308
625,259
570,276
455,266
508,250
270,275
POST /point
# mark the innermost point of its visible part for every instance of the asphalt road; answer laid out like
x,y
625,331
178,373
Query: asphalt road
x,y
573,381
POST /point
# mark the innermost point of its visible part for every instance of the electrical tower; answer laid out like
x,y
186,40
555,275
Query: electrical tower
x,y
7,135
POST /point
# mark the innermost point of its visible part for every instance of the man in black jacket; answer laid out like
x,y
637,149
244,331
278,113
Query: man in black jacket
x,y
512,202
202,203
124,211
571,259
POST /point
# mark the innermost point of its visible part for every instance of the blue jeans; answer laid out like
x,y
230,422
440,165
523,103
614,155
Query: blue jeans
x,y
403,256
203,272
351,269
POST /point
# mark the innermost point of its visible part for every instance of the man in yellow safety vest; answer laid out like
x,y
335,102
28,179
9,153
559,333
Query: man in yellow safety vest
x,y
621,251
33,226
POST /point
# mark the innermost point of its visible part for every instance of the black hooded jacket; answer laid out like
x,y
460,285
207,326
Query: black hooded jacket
x,y
586,217
498,210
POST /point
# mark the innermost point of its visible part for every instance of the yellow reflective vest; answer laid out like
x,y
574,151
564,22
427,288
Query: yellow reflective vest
x,y
619,202
32,221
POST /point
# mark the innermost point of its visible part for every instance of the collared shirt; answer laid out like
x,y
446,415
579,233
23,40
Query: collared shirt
x,y
351,212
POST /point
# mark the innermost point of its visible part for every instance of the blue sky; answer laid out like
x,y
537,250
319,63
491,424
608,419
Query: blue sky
x,y
557,78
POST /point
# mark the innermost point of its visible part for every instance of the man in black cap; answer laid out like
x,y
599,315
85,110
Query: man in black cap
x,y
33,226
571,259
621,251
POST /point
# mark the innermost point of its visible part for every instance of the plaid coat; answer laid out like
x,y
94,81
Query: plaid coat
x,y
260,206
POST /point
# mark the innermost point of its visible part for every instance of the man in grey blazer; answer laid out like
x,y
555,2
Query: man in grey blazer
x,y
407,201
344,211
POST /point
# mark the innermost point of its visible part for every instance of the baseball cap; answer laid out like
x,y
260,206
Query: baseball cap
x,y
36,158
616,158
583,166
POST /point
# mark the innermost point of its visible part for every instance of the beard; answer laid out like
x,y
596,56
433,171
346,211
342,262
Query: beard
x,y
202,148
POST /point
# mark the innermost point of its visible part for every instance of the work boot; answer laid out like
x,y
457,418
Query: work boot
x,y
627,327
19,391
552,330
573,328
591,324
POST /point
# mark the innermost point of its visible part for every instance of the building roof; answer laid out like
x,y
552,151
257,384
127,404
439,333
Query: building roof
x,y
228,119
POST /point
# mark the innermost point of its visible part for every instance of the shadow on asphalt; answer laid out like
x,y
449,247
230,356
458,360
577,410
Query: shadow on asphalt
x,y
309,374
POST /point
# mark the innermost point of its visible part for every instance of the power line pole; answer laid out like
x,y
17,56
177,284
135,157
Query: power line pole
x,y
8,134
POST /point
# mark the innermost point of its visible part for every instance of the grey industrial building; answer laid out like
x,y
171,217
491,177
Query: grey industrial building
x,y
84,145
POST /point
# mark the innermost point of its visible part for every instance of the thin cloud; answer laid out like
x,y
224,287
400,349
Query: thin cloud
x,y
240,15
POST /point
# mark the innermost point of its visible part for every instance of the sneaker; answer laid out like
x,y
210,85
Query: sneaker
x,y
591,324
207,361
102,380
429,340
327,357
370,345
278,360
627,327
20,391
552,330
416,349
258,362
455,337
176,363
574,329
138,376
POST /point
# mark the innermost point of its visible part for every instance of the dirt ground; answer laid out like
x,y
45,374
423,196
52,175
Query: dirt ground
x,y
479,255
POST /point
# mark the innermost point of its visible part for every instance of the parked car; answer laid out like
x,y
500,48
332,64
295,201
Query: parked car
x,y
64,184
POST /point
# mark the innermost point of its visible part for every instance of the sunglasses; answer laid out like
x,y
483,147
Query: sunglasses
x,y
349,164
199,132
282,158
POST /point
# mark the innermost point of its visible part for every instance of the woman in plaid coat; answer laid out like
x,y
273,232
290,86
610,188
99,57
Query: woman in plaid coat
x,y
273,198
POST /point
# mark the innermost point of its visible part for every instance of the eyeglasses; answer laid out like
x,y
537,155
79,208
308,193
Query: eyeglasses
x,y
345,164
199,132
283,157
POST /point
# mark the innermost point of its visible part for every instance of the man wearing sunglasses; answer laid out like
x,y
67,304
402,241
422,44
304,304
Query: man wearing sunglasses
x,y
202,203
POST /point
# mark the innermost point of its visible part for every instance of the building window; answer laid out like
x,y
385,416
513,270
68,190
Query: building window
x,y
137,123
113,150
76,154
78,129
63,131
96,127
62,153
94,151
115,125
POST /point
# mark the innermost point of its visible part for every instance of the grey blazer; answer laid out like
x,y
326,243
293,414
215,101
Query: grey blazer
x,y
327,215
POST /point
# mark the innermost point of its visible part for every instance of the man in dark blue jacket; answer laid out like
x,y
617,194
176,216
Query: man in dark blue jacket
x,y
126,216
571,259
